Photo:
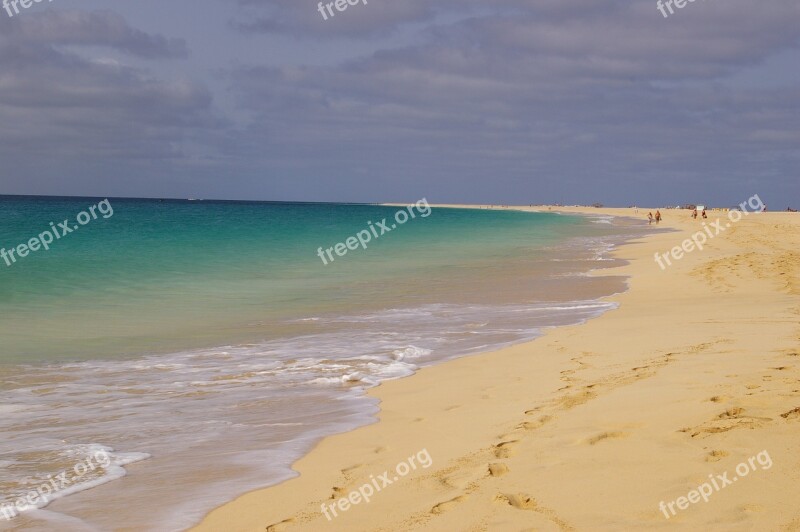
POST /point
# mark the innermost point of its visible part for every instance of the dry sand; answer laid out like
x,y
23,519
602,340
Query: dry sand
x,y
591,426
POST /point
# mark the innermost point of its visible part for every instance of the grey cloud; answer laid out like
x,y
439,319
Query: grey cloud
x,y
98,28
509,100
540,94
70,105
370,20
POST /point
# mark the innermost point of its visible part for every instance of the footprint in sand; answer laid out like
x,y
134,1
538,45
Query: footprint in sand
x,y
570,401
447,505
520,501
279,527
614,435
533,425
731,413
728,420
716,456
347,471
497,470
503,449
792,414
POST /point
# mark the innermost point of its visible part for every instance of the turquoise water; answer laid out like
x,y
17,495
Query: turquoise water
x,y
159,275
205,346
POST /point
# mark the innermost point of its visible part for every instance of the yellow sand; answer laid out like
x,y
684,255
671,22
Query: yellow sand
x,y
593,425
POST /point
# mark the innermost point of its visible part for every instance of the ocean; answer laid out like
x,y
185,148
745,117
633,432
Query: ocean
x,y
204,346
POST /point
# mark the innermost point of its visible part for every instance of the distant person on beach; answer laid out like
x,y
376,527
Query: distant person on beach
x,y
694,214
704,214
658,216
649,218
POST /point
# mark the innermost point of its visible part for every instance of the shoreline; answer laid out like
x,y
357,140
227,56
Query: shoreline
x,y
534,429
487,323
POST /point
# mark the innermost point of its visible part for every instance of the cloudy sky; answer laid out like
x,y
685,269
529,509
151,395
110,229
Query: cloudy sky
x,y
502,101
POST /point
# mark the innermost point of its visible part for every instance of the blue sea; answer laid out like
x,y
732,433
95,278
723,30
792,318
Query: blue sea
x,y
206,345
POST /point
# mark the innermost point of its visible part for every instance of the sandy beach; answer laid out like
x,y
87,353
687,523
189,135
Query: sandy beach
x,y
279,268
593,426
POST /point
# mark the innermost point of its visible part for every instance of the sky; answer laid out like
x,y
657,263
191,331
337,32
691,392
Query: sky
x,y
490,101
